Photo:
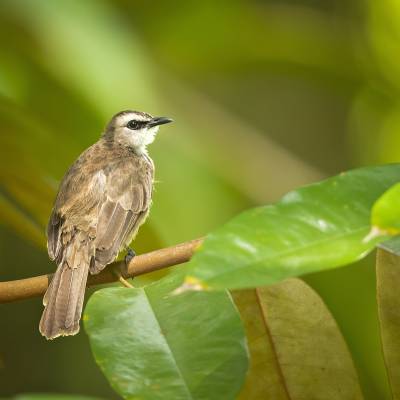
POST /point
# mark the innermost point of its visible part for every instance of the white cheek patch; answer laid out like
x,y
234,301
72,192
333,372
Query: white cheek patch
x,y
150,135
138,139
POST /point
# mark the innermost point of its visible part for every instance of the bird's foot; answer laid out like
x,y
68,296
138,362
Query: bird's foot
x,y
121,269
129,256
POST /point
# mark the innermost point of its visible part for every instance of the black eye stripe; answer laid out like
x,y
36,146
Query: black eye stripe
x,y
133,124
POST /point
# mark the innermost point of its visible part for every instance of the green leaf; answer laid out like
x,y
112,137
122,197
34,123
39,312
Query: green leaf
x,y
385,217
317,227
154,346
388,283
297,350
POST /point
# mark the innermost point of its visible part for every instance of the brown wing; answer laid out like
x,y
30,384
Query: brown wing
x,y
71,232
103,199
124,208
76,209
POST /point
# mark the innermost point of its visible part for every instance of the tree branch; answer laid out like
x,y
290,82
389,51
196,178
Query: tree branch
x,y
139,265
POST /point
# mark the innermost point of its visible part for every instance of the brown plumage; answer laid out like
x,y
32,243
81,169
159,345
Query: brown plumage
x,y
103,199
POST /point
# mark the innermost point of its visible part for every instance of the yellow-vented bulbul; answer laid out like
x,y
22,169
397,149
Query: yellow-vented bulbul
x,y
103,199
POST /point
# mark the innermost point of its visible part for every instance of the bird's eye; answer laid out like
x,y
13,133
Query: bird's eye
x,y
132,124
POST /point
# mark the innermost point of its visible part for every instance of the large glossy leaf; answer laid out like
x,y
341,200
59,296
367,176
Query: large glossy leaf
x,y
153,346
297,350
317,227
388,283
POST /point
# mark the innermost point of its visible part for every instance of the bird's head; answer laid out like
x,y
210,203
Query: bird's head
x,y
135,129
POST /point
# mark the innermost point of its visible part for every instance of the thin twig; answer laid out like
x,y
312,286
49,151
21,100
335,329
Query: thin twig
x,y
139,265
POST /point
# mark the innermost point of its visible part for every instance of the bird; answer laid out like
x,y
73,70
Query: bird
x,y
103,199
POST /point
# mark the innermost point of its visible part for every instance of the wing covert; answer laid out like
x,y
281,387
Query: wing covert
x,y
125,206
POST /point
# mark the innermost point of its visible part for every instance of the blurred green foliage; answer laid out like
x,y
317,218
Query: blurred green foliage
x,y
267,95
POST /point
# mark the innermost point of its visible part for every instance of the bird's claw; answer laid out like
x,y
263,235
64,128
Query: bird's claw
x,y
121,269
129,256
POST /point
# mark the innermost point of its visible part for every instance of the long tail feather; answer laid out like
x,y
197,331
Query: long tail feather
x,y
63,300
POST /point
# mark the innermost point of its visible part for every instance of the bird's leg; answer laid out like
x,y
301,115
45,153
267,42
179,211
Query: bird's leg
x,y
122,269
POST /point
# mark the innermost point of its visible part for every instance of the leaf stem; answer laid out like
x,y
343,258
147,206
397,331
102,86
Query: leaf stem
x,y
117,272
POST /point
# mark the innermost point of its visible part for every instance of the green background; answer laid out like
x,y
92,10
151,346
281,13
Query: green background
x,y
266,95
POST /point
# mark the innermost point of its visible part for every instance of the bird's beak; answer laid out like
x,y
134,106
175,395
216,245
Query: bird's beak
x,y
159,121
